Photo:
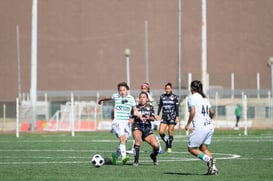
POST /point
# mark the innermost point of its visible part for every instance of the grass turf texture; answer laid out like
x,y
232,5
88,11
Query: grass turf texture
x,y
58,156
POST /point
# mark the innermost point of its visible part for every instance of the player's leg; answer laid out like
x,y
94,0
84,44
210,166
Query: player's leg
x,y
195,142
161,151
236,122
162,128
121,130
137,140
170,140
151,140
212,170
117,153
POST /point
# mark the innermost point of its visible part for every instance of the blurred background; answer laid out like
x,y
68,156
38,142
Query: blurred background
x,y
84,48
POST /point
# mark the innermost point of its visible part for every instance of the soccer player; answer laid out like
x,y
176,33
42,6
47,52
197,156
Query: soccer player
x,y
170,115
142,128
237,115
200,116
145,87
124,103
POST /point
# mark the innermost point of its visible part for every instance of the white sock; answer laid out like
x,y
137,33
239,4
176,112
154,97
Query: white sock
x,y
206,158
122,150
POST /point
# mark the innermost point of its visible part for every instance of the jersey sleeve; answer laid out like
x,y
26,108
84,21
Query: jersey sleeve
x,y
133,102
191,102
114,96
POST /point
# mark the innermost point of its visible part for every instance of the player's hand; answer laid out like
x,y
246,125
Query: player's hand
x,y
157,117
131,120
177,120
99,102
187,127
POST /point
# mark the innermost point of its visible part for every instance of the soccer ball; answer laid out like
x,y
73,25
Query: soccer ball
x,y
97,160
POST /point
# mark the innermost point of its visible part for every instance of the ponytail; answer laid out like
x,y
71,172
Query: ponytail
x,y
197,86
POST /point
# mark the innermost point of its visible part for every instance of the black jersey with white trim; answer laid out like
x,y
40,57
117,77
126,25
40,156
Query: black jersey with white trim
x,y
146,111
169,104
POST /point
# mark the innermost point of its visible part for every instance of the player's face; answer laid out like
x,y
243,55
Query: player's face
x,y
123,91
168,89
143,99
144,89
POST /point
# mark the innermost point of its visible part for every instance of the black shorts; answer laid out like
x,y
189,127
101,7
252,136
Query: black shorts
x,y
168,122
145,132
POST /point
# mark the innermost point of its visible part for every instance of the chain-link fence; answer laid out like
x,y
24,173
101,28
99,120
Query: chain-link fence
x,y
55,107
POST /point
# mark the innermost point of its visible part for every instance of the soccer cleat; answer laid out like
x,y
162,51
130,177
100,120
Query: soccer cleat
x,y
135,164
212,170
132,151
161,151
124,160
169,150
154,159
114,159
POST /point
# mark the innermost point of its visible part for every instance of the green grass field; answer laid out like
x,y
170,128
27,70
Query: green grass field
x,y
62,157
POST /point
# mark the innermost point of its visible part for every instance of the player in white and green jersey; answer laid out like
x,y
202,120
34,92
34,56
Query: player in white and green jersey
x,y
123,106
200,116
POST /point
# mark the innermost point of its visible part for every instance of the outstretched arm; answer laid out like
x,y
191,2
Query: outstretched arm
x,y
104,99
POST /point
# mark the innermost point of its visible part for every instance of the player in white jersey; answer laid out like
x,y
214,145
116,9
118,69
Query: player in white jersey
x,y
123,105
200,116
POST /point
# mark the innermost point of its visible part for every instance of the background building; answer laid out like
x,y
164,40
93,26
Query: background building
x,y
81,43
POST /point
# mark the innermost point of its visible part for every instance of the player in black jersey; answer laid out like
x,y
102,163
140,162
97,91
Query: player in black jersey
x,y
170,112
142,129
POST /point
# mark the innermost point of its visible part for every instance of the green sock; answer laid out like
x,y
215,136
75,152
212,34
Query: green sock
x,y
204,157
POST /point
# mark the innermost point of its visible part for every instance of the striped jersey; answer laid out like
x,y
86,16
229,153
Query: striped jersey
x,y
123,107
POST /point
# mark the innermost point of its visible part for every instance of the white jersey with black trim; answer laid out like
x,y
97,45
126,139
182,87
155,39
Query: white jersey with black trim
x,y
201,119
123,107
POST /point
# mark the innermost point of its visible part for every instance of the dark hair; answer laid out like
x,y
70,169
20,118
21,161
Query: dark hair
x,y
144,93
169,84
123,84
197,86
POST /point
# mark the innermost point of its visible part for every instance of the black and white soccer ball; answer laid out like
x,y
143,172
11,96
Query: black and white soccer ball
x,y
97,160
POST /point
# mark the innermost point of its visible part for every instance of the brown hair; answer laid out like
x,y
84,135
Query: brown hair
x,y
123,84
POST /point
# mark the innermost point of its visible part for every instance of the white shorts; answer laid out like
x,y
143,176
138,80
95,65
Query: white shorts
x,y
121,128
199,137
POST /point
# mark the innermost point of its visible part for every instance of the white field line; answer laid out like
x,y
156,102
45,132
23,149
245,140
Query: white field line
x,y
171,158
174,157
179,139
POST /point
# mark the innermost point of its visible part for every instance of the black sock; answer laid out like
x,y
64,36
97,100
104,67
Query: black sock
x,y
163,137
170,141
155,152
137,148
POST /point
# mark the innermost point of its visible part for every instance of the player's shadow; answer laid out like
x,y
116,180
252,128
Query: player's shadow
x,y
180,173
